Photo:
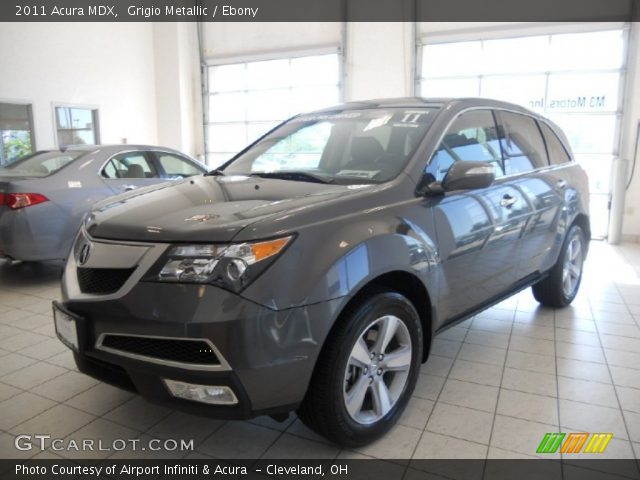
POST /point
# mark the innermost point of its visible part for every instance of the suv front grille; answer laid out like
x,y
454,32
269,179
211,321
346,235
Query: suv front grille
x,y
191,352
102,281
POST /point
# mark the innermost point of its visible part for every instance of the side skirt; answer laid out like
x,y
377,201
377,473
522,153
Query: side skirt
x,y
521,285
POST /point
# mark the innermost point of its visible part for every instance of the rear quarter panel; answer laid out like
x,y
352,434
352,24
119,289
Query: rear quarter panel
x,y
46,231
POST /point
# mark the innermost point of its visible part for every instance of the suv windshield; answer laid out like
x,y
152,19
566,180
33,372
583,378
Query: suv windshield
x,y
352,146
41,164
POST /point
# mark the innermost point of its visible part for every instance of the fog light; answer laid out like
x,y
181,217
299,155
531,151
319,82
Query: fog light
x,y
212,394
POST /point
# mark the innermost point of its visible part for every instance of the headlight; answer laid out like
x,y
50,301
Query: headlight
x,y
230,266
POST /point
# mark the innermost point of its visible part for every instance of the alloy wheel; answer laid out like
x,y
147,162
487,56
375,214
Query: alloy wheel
x,y
377,370
572,267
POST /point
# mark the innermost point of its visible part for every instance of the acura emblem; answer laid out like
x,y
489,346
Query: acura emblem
x,y
85,251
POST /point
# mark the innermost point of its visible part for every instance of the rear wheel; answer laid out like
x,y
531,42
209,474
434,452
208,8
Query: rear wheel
x,y
366,372
561,286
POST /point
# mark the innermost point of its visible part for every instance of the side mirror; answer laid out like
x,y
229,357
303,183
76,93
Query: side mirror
x,y
464,175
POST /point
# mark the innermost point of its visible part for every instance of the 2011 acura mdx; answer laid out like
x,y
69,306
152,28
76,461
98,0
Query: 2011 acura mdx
x,y
312,271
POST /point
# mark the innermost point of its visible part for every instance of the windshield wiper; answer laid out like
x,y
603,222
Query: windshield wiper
x,y
296,176
215,173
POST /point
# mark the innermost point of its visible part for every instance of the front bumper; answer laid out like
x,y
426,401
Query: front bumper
x,y
267,356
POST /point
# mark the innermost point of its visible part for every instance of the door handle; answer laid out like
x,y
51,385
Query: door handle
x,y
128,188
508,201
562,184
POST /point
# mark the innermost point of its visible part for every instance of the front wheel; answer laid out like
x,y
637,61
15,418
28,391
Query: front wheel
x,y
561,286
366,372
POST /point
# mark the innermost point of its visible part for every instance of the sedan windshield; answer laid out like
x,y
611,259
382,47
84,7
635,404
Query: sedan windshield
x,y
41,164
352,146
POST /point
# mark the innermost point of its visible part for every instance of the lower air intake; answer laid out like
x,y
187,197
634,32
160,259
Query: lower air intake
x,y
102,281
189,352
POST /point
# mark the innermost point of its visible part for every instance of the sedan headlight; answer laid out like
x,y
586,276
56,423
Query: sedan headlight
x,y
230,266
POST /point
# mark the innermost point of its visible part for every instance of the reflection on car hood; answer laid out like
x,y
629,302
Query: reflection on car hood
x,y
204,209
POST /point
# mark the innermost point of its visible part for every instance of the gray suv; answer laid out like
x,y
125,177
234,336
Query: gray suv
x,y
311,272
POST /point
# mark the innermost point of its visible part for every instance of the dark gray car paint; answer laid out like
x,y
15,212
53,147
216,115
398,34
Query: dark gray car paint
x,y
346,237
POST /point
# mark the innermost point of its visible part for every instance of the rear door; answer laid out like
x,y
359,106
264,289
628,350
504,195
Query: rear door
x,y
569,184
527,167
478,231
130,170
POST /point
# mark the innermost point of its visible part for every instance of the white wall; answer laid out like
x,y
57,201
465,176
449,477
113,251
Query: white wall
x,y
178,87
105,65
379,60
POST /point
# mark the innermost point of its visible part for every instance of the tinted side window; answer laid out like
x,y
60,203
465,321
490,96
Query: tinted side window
x,y
471,137
130,165
557,153
175,166
522,143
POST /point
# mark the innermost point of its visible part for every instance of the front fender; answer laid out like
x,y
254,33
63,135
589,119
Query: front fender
x,y
321,266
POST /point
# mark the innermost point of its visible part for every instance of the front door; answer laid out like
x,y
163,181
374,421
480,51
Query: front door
x,y
478,231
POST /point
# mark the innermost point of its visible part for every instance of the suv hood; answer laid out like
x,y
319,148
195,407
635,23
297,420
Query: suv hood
x,y
204,208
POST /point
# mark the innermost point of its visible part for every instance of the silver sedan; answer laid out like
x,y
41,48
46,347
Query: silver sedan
x,y
44,196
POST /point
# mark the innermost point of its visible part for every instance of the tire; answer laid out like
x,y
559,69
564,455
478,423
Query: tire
x,y
555,291
343,371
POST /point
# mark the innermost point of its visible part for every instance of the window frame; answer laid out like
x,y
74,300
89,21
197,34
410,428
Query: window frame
x,y
95,112
262,57
29,106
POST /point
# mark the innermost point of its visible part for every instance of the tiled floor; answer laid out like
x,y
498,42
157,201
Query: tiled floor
x,y
492,387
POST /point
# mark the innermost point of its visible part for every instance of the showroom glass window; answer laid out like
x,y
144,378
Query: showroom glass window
x,y
575,79
16,132
76,126
245,100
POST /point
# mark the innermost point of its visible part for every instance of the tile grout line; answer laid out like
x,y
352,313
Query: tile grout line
x,y
435,402
56,404
495,411
555,362
615,391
